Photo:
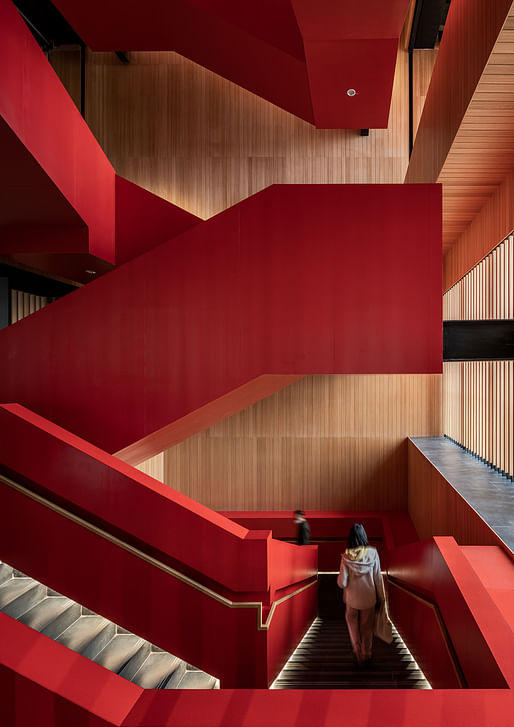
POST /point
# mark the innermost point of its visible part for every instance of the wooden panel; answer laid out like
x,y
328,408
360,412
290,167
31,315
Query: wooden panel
x,y
490,226
436,508
153,467
423,62
325,442
478,407
66,63
23,304
204,143
486,292
471,30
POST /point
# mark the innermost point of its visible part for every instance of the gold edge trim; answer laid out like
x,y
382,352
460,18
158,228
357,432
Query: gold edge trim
x,y
440,624
261,625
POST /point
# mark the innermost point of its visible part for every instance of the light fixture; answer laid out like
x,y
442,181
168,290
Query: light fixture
x,y
351,92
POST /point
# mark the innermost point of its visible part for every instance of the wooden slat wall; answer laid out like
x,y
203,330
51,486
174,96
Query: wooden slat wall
x,y
153,467
491,225
487,291
66,63
204,143
478,396
478,409
470,33
325,442
23,304
423,62
437,509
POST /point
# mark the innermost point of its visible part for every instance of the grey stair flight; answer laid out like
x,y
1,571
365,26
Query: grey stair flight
x,y
95,637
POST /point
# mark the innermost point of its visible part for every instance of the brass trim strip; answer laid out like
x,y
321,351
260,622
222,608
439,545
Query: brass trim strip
x,y
456,666
261,624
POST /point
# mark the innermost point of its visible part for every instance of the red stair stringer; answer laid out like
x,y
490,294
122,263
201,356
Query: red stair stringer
x,y
298,279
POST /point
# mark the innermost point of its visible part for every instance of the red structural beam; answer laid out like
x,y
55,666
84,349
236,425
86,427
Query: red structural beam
x,y
299,279
35,107
300,55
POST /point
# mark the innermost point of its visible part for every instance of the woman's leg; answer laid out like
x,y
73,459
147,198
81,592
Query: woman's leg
x,y
367,621
352,621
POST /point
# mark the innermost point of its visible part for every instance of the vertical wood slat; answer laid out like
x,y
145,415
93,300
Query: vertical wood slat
x,y
24,304
325,442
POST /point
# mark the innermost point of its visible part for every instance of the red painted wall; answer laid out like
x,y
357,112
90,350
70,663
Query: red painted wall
x,y
151,515
299,279
144,220
283,51
437,569
36,107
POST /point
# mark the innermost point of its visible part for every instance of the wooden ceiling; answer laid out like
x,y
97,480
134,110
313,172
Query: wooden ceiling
x,y
482,153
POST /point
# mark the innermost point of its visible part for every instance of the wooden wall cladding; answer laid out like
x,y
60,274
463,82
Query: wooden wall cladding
x,y
23,304
203,143
478,404
325,442
436,508
487,291
423,62
493,223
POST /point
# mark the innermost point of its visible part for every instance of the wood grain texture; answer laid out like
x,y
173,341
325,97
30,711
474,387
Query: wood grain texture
x,y
423,62
487,291
491,225
23,304
325,442
478,409
66,63
203,143
436,508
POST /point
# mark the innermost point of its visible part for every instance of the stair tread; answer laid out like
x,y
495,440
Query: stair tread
x,y
196,680
45,612
157,667
13,588
82,631
118,651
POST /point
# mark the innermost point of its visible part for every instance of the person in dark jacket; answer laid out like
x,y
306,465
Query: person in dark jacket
x,y
303,535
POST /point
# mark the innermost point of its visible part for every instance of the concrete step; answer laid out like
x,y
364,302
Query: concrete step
x,y
41,615
19,595
82,635
156,670
6,572
119,651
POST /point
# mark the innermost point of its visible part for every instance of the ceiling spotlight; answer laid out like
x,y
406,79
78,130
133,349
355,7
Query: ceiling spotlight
x,y
91,272
351,92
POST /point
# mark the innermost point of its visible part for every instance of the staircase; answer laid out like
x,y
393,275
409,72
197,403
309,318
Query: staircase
x,y
324,660
93,636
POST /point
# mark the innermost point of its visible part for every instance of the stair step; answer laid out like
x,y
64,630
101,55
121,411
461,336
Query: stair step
x,y
6,572
155,670
45,612
197,680
82,633
20,595
118,652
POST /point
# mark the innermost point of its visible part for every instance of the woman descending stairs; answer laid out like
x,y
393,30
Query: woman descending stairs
x,y
324,659
93,636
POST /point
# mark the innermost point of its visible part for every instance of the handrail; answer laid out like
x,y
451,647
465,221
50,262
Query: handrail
x,y
262,625
442,627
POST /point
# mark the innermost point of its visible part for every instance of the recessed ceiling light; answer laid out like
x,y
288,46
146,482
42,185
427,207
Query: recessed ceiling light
x,y
351,92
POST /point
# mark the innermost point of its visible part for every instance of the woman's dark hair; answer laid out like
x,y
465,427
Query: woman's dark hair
x,y
357,536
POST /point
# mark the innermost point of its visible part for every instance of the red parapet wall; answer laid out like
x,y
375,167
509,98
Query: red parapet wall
x,y
298,279
114,495
36,108
437,571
